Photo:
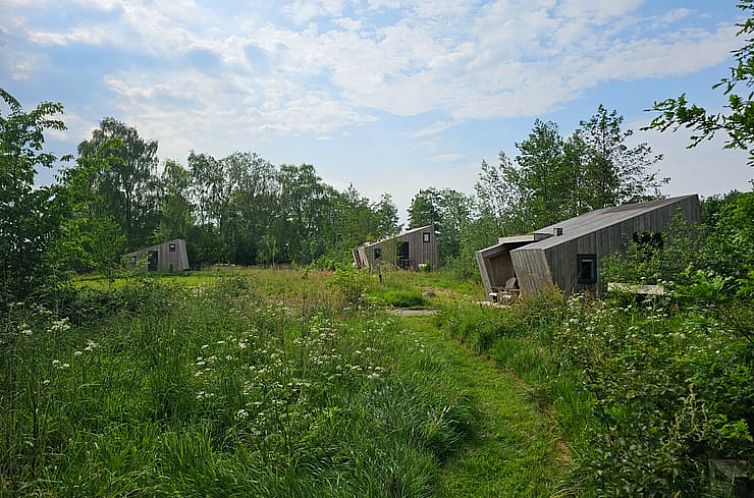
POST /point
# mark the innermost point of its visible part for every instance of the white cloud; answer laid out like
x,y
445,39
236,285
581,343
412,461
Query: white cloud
x,y
447,157
347,60
434,129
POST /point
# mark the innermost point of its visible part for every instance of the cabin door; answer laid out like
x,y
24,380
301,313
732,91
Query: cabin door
x,y
152,261
402,255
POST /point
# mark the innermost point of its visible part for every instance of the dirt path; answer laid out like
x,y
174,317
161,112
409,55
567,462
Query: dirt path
x,y
516,452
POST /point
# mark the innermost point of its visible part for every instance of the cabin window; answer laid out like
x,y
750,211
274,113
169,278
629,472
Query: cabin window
x,y
425,237
377,253
133,261
171,247
648,240
587,268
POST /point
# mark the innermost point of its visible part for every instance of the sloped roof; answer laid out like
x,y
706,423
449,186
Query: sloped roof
x,y
153,248
598,220
369,244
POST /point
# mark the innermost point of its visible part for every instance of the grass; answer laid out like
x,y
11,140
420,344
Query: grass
x,y
517,451
221,392
258,382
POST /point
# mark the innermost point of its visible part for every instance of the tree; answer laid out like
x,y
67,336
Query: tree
x,y
387,216
610,173
424,208
541,180
125,178
174,203
29,216
738,121
91,239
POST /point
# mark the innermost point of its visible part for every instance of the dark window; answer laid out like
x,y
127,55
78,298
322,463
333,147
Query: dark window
x,y
171,248
587,268
377,253
402,250
648,241
133,261
425,237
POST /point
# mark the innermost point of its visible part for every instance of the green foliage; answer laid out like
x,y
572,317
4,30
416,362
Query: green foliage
x,y
215,392
29,215
666,387
398,298
351,283
702,264
122,165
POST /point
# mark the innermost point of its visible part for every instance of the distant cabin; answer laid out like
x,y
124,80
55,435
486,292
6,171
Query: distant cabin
x,y
568,254
168,257
408,250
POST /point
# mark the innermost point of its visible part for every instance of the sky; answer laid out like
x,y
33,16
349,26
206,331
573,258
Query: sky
x,y
390,96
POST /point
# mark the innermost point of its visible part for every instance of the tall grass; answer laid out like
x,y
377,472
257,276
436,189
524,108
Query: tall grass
x,y
220,391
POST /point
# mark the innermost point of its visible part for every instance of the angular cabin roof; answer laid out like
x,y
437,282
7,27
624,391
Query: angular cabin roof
x,y
597,220
154,247
369,244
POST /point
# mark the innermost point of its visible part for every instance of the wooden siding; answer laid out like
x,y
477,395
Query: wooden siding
x,y
562,258
495,263
532,269
167,261
419,252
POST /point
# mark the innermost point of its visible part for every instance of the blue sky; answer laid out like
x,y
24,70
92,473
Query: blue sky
x,y
392,96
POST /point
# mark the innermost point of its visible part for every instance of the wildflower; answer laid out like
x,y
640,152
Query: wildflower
x,y
198,374
241,414
27,332
221,342
229,358
61,325
205,346
77,353
241,345
55,363
64,366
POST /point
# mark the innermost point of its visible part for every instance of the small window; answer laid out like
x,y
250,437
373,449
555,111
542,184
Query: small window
x,y
133,261
171,247
587,268
377,253
648,240
425,237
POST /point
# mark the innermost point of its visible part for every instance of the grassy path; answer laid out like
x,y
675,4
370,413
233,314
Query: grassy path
x,y
516,452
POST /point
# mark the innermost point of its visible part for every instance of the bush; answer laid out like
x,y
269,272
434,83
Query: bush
x,y
351,283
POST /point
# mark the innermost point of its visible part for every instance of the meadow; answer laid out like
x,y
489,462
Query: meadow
x,y
258,382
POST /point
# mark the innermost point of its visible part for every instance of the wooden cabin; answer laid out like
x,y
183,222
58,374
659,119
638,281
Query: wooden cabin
x,y
408,250
168,257
568,254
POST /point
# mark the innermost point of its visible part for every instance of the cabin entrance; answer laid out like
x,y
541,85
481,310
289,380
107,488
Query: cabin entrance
x,y
152,260
498,274
402,252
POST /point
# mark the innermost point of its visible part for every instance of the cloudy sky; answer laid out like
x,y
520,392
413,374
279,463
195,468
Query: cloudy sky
x,y
389,95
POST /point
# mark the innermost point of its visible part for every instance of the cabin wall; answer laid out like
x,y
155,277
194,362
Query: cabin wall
x,y
532,269
419,252
562,259
167,261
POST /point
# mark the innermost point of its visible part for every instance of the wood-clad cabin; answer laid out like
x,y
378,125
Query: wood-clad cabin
x,y
568,254
407,250
168,257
